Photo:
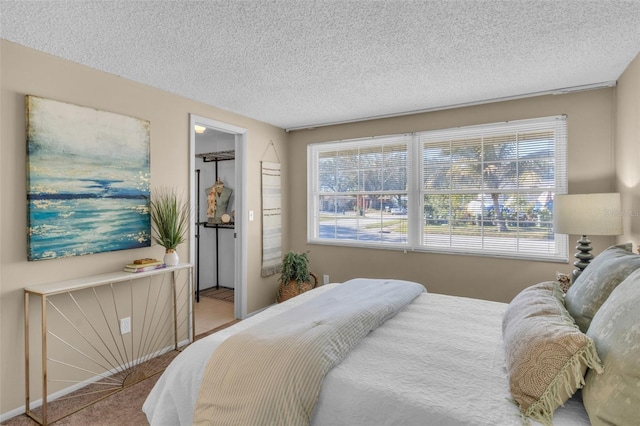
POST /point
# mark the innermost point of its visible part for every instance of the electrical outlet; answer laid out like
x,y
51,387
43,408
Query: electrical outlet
x,y
325,279
125,325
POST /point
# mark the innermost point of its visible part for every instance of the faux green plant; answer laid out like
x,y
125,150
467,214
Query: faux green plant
x,y
295,267
170,217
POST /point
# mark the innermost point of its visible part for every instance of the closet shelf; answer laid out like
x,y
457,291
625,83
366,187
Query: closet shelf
x,y
217,225
217,156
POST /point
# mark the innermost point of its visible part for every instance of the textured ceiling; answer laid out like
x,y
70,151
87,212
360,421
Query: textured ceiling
x,y
296,64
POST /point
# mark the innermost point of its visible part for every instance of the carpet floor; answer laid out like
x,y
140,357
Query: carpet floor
x,y
121,408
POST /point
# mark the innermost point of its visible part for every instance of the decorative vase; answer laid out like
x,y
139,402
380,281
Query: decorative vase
x,y
171,257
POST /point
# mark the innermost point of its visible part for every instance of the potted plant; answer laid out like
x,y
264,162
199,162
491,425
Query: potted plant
x,y
295,277
170,218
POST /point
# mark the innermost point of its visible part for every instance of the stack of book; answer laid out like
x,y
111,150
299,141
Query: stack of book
x,y
142,265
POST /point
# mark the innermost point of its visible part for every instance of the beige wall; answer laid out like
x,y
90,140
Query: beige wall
x,y
591,169
627,126
25,71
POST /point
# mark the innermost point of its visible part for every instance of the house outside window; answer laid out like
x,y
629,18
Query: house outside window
x,y
485,190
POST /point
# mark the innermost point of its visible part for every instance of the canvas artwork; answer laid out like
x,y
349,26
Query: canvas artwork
x,y
88,177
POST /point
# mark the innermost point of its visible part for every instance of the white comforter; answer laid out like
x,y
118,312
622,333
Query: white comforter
x,y
277,367
438,362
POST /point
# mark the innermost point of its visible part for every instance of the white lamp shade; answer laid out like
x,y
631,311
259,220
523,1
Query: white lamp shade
x,y
587,214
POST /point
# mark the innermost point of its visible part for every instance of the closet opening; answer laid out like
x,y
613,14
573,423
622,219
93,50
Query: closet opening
x,y
216,250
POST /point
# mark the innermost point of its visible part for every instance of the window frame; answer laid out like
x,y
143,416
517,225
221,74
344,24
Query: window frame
x,y
416,217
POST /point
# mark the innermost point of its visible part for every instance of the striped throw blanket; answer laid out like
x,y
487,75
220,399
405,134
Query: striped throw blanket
x,y
271,374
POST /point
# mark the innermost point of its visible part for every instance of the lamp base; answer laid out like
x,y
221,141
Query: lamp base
x,y
583,255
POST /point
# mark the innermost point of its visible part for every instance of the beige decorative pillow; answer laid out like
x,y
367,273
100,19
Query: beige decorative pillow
x,y
597,281
546,354
613,397
564,280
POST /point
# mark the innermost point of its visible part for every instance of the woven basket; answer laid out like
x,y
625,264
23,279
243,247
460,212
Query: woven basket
x,y
292,288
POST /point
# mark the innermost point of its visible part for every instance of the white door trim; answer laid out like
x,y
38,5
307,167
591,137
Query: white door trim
x,y
241,221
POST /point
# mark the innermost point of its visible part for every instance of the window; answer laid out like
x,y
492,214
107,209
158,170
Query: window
x,y
491,188
356,184
481,190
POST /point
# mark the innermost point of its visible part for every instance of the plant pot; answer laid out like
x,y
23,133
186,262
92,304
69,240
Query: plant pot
x,y
293,288
171,258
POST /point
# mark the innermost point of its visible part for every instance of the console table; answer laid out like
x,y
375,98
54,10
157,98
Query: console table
x,y
100,334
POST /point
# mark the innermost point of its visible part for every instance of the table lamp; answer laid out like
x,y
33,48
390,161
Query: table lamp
x,y
586,214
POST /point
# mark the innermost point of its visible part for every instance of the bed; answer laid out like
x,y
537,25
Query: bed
x,y
442,359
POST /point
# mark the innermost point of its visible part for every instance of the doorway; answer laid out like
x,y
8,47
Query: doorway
x,y
218,244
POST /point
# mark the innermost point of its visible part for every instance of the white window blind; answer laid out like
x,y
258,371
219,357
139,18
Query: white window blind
x,y
485,189
353,186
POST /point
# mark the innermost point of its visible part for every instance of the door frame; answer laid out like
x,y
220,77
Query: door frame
x,y
241,221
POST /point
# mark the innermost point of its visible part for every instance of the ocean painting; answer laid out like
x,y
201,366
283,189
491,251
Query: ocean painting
x,y
88,179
